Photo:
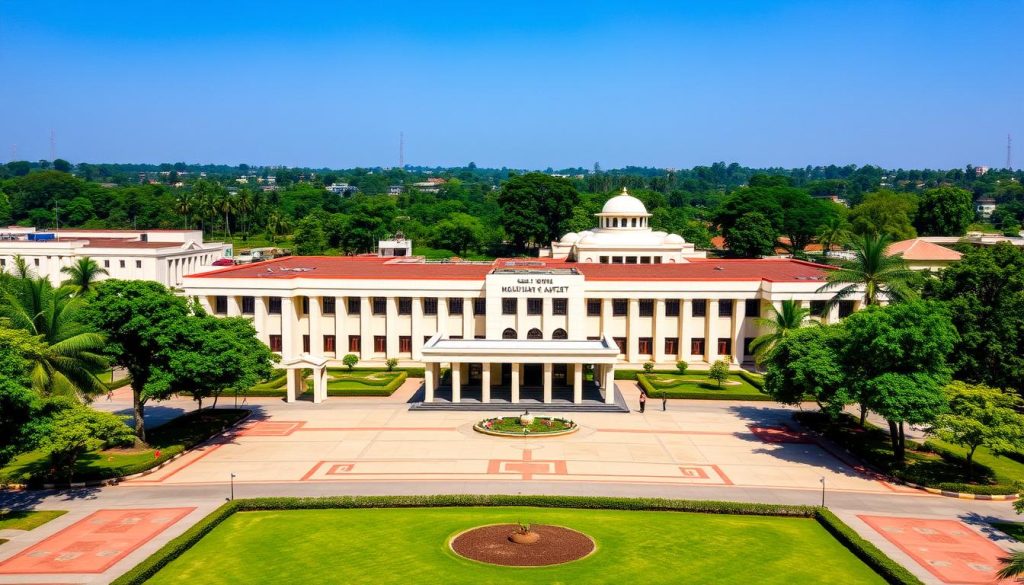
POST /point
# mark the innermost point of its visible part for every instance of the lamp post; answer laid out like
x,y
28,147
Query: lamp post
x,y
822,480
232,486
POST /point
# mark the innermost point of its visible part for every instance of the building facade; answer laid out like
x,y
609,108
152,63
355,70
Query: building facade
x,y
164,256
518,323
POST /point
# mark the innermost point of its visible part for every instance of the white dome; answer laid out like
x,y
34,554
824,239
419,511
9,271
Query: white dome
x,y
674,239
570,238
624,204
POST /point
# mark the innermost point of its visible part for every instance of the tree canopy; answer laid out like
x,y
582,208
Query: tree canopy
x,y
535,208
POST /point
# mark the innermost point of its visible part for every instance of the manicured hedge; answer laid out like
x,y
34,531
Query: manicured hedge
x,y
412,371
755,380
874,558
656,392
120,383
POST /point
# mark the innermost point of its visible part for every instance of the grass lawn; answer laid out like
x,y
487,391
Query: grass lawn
x,y
23,520
1014,529
697,385
169,439
340,382
1006,470
382,546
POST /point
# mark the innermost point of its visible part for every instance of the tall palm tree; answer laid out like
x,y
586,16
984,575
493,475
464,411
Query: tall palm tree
x,y
872,269
1013,566
185,204
277,225
225,203
82,274
835,231
71,352
21,268
244,204
777,326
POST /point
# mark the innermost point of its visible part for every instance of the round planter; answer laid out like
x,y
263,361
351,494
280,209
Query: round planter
x,y
524,537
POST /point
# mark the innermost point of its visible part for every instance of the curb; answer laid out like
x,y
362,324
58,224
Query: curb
x,y
116,480
961,495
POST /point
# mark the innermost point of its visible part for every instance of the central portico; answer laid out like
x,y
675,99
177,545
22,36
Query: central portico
x,y
513,366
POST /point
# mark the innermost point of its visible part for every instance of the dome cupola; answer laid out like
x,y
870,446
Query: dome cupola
x,y
623,212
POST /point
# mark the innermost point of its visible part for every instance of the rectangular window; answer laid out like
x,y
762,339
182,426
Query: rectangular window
x,y
106,263
220,305
455,306
752,307
725,308
645,259
479,307
845,309
818,308
275,343
616,259
121,263
430,306
657,259
620,307
248,305
305,305
380,306
353,343
646,307
405,305
559,306
645,345
509,306
620,342
671,345
138,263
329,346
724,346
700,307
380,343
534,306
630,259
405,344
746,345
354,305
274,306
305,343
593,307
697,346
329,306
604,260
672,307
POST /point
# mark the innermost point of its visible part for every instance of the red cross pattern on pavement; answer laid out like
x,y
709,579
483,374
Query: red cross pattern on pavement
x,y
527,467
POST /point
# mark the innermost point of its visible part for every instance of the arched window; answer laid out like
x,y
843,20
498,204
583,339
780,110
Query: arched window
x,y
559,334
615,222
634,222
535,334
509,334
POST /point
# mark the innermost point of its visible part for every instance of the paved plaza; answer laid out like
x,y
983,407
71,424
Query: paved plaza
x,y
695,449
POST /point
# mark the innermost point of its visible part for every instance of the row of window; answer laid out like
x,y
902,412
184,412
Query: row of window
x,y
380,343
630,259
645,345
699,307
106,263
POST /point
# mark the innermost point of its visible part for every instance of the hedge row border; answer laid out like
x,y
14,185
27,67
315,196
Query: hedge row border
x,y
653,392
891,571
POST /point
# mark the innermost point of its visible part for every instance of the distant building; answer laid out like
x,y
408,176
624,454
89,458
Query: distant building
x,y
342,189
979,171
431,185
921,254
164,256
985,206
395,189
394,247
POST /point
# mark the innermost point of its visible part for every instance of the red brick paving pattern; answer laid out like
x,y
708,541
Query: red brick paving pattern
x,y
95,543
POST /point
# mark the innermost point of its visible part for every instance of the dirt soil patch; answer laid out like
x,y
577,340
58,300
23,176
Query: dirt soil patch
x,y
491,544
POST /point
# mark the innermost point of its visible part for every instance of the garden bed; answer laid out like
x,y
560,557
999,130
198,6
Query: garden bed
x,y
512,426
698,386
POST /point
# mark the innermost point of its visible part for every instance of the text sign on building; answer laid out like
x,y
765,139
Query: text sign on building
x,y
525,284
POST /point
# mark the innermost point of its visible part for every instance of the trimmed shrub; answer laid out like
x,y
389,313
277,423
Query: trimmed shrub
x,y
887,568
755,380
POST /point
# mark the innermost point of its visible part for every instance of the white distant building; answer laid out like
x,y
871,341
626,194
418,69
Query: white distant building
x,y
164,256
985,206
395,189
342,188
395,247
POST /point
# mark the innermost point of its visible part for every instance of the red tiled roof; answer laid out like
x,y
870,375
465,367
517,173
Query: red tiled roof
x,y
360,267
918,249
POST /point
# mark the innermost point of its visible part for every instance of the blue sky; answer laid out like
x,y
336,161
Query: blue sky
x,y
522,84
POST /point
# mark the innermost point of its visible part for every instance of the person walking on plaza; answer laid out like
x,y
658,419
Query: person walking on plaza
x,y
664,401
643,400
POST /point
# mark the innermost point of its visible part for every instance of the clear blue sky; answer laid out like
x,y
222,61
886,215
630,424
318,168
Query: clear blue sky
x,y
932,83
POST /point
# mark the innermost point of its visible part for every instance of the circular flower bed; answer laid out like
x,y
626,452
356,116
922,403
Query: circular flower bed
x,y
526,426
494,545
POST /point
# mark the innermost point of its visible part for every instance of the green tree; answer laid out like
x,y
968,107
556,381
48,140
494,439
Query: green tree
x,y
751,236
536,208
834,232
350,360
777,325
61,165
981,416
944,211
682,367
806,363
82,274
18,404
391,364
985,295
719,372
894,363
459,233
885,213
309,238
872,270
74,429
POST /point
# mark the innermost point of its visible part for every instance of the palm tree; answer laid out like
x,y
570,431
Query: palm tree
x,y
777,326
21,268
186,206
835,231
71,352
872,269
225,203
1013,566
82,274
277,224
244,204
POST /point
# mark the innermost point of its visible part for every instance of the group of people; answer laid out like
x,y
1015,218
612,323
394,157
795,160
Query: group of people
x,y
643,400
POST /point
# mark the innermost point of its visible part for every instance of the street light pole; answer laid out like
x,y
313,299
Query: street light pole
x,y
232,486
822,480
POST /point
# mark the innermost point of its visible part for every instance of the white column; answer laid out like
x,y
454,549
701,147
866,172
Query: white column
x,y
442,316
547,317
428,383
391,327
485,383
316,333
204,301
516,371
685,310
606,317
577,383
292,384
468,329
260,318
833,314
234,306
739,313
291,344
633,330
547,382
365,335
658,325
609,384
711,331
340,327
456,382
319,386
416,328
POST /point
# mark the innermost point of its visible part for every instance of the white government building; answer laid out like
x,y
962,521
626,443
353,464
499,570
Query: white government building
x,y
165,256
551,328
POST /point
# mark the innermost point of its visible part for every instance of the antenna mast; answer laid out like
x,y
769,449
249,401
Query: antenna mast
x,y
1009,152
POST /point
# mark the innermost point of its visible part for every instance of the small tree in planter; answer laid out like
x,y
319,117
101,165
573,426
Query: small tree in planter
x,y
391,364
648,367
350,360
719,372
682,366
